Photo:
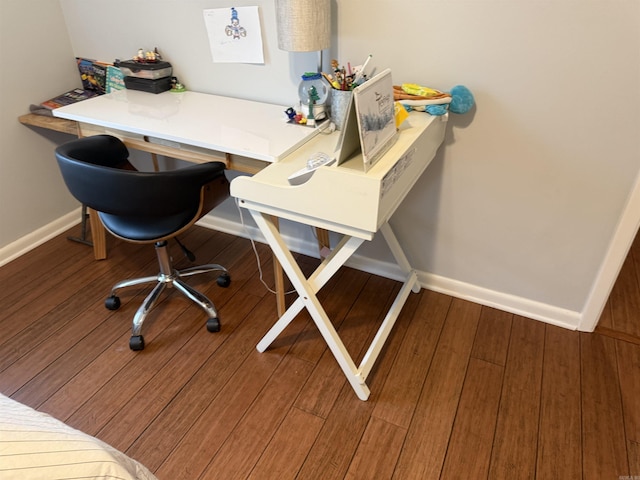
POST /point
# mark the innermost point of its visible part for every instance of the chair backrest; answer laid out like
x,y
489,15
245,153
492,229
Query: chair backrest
x,y
95,172
92,170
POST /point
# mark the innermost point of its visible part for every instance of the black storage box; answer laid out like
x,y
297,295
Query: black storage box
x,y
150,70
158,85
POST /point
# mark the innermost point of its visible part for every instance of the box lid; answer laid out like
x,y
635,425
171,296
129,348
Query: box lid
x,y
136,66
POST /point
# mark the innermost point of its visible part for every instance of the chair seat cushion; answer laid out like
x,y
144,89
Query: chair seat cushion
x,y
146,229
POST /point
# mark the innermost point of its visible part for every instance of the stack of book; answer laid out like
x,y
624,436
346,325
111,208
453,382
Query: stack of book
x,y
97,78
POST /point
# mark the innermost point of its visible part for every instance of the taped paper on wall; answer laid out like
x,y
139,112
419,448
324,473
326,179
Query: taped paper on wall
x,y
234,34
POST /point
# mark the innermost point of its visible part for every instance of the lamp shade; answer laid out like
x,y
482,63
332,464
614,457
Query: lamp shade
x,y
303,25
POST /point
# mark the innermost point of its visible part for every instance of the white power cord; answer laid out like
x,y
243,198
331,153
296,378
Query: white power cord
x,y
255,251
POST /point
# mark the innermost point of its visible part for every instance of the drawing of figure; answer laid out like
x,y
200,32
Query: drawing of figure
x,y
235,30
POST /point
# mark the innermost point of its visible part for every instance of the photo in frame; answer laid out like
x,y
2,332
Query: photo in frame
x,y
375,113
369,125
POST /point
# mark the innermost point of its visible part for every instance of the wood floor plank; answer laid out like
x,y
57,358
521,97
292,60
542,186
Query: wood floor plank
x,y
323,387
381,441
82,385
73,360
80,370
560,437
337,443
49,295
617,335
628,357
603,439
397,399
17,275
492,338
73,342
454,382
424,450
18,292
605,320
129,423
54,333
515,444
127,383
335,446
28,306
90,380
625,297
211,403
631,325
283,457
254,432
469,451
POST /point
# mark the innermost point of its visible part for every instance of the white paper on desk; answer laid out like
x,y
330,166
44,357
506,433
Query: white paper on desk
x,y
234,34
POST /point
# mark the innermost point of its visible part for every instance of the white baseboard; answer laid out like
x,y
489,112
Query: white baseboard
x,y
509,303
502,301
38,237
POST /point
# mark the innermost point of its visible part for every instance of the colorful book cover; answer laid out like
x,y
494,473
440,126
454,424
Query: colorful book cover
x,y
93,74
115,79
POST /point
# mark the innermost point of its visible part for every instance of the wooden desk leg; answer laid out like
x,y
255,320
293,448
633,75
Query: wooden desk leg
x,y
156,165
278,275
98,236
324,246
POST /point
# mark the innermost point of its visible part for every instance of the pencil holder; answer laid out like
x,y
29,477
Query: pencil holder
x,y
339,103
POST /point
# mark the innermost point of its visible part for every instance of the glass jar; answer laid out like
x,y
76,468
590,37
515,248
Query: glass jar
x,y
305,90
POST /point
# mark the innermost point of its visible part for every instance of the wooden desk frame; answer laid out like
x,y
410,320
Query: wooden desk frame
x,y
233,162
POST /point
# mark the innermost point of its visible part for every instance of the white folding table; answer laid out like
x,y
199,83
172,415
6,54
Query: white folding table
x,y
346,200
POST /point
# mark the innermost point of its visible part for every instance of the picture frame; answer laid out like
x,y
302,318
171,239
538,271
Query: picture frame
x,y
375,114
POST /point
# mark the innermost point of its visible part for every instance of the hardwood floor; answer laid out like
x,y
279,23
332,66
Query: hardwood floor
x,y
621,317
460,390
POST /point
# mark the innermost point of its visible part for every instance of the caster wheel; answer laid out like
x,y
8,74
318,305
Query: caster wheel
x,y
136,343
112,303
224,280
213,325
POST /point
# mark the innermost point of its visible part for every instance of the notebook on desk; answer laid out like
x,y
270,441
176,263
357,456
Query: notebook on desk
x,y
369,127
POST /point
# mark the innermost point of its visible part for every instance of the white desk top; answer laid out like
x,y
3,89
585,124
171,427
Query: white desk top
x,y
230,125
345,198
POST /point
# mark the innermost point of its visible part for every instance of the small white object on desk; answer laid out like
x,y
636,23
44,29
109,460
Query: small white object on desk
x,y
316,161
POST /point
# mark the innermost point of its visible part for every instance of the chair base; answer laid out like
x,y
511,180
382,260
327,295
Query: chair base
x,y
169,277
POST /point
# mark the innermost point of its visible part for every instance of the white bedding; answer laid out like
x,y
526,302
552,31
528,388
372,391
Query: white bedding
x,y
34,445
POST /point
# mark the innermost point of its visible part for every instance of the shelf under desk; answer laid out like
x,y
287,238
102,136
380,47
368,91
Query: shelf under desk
x,y
49,123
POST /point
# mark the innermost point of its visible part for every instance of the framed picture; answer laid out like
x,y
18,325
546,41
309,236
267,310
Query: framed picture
x,y
374,109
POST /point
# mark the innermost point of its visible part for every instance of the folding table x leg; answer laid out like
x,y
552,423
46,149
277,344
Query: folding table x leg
x,y
307,289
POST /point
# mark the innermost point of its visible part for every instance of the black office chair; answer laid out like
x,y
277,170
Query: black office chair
x,y
145,207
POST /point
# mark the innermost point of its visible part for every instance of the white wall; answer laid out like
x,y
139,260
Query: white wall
x,y
37,64
525,197
519,208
